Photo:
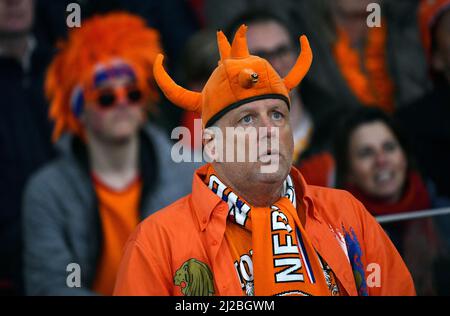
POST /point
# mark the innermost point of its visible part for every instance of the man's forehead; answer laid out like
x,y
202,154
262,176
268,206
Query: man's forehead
x,y
258,106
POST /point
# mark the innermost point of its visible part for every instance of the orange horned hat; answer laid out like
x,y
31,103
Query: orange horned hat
x,y
239,78
103,41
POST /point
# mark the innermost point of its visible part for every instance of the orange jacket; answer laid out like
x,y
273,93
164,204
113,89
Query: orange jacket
x,y
157,255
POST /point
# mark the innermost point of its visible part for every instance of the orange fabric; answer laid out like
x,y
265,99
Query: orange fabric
x,y
341,230
119,215
101,39
429,10
264,260
239,242
318,169
272,243
370,81
239,76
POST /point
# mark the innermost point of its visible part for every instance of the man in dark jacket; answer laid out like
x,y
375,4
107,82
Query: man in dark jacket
x,y
24,128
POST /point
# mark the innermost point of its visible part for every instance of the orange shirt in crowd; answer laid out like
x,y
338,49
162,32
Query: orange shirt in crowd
x,y
318,169
119,215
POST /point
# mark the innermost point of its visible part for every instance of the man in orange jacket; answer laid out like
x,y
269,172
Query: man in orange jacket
x,y
253,226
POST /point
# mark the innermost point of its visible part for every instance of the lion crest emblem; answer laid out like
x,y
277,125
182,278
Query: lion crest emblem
x,y
194,278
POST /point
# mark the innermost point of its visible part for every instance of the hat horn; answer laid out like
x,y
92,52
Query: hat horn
x,y
301,66
224,45
239,46
188,100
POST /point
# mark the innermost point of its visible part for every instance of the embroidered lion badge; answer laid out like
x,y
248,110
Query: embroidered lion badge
x,y
195,279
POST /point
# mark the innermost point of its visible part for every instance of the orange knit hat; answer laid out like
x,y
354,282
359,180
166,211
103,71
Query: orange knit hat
x,y
429,11
239,78
101,40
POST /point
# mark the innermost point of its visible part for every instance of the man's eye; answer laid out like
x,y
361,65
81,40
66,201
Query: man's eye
x,y
277,115
247,119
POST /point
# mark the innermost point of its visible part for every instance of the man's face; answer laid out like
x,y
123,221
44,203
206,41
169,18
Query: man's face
x,y
441,56
16,17
271,41
116,110
261,133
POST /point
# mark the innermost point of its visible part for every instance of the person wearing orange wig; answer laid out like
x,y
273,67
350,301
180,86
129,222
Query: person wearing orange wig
x,y
114,168
254,227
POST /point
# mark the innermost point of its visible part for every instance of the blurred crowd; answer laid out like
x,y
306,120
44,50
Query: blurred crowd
x,y
85,133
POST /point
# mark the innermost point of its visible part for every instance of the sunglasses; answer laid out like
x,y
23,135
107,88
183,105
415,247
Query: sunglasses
x,y
106,98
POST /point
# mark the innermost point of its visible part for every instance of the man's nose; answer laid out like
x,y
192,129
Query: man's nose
x,y
268,127
266,121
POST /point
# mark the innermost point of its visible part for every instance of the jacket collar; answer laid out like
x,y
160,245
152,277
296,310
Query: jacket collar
x,y
205,201
303,192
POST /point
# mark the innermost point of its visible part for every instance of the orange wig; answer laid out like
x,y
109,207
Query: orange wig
x,y
99,40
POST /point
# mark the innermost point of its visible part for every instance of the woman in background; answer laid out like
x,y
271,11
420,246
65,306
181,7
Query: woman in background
x,y
374,164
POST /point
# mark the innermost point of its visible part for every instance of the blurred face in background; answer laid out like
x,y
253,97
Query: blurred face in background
x,y
16,17
441,55
377,162
114,110
271,41
352,8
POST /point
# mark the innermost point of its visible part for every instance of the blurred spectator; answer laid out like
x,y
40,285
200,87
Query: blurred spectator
x,y
113,170
395,47
357,64
24,127
175,20
268,37
427,120
374,164
360,53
